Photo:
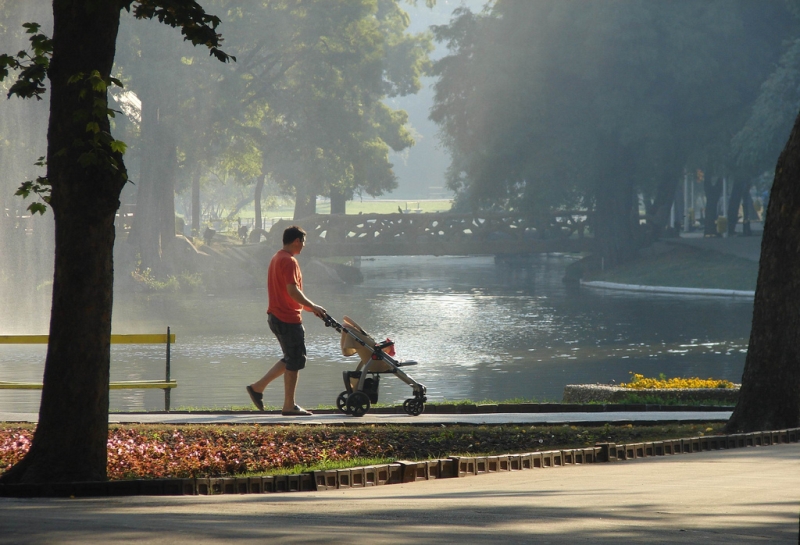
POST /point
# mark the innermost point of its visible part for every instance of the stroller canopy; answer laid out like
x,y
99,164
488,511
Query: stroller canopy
x,y
351,346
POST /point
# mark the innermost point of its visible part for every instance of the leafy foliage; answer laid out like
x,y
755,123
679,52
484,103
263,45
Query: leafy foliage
x,y
197,26
32,65
308,92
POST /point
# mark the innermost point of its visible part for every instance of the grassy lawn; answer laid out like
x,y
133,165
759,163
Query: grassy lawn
x,y
683,266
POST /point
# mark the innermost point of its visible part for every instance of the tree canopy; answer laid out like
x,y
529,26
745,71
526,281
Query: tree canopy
x,y
309,92
553,103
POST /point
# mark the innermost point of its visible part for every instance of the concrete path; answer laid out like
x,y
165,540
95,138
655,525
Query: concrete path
x,y
376,418
739,246
747,495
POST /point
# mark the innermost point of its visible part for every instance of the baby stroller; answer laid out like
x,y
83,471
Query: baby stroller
x,y
376,358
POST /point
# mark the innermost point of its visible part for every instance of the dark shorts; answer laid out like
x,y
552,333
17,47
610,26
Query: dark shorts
x,y
292,338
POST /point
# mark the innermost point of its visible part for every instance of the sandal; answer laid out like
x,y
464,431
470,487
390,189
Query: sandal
x,y
256,398
297,411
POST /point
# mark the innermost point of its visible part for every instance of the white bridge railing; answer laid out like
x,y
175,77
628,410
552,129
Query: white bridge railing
x,y
440,233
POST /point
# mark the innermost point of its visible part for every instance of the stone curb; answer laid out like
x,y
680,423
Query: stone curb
x,y
608,394
668,289
402,471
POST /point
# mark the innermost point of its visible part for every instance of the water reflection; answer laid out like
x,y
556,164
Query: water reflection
x,y
479,330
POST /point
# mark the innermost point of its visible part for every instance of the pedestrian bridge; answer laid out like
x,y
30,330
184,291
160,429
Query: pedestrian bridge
x,y
440,234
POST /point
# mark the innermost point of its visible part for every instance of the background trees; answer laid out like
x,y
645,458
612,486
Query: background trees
x,y
303,108
563,102
310,90
26,243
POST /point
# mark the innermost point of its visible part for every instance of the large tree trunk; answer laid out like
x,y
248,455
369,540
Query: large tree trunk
x,y
770,394
84,200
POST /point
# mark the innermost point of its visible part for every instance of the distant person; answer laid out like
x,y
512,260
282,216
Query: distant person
x,y
284,316
242,232
208,234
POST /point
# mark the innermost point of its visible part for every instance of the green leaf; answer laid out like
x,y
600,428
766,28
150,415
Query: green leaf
x,y
119,146
37,208
93,126
31,28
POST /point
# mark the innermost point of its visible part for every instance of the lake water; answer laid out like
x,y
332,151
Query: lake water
x,y
478,329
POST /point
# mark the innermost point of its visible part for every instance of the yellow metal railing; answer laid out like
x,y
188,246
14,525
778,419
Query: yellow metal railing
x,y
147,338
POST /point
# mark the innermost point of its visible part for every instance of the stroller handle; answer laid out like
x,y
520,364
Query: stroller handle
x,y
330,322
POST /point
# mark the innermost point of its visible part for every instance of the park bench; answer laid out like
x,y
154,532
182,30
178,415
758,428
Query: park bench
x,y
167,384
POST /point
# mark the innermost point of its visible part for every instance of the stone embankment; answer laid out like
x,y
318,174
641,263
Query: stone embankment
x,y
603,393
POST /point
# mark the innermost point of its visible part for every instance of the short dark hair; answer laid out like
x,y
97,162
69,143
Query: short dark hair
x,y
290,234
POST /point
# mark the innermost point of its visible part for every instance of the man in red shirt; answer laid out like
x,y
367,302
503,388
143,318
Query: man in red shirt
x,y
286,303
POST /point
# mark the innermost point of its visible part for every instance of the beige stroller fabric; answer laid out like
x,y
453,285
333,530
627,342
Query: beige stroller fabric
x,y
350,346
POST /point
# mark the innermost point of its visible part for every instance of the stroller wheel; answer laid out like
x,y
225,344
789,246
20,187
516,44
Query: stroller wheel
x,y
341,402
413,407
358,403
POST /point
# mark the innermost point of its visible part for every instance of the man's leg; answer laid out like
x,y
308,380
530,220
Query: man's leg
x,y
289,388
277,370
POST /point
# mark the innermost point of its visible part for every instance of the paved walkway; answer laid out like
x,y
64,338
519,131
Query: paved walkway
x,y
376,418
745,247
747,495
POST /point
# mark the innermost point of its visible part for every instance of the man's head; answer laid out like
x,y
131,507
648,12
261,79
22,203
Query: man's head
x,y
293,234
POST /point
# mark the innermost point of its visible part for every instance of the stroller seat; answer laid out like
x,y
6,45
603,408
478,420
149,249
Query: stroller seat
x,y
351,345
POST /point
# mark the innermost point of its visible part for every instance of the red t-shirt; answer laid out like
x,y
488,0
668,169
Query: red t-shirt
x,y
283,270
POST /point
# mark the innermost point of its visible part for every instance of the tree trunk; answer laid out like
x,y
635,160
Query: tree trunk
x,y
255,234
735,201
84,200
153,226
770,394
658,212
145,227
713,193
196,204
305,204
338,202
166,190
615,239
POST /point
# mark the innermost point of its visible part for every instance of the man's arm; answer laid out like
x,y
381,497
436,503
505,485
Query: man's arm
x,y
298,295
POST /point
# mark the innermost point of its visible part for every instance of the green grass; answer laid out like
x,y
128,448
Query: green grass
x,y
683,266
327,465
650,399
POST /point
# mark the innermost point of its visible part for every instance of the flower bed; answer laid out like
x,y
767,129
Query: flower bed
x,y
603,393
159,451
